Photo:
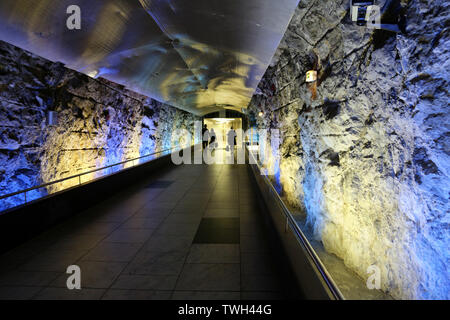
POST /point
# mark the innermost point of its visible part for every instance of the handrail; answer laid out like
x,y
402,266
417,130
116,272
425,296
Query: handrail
x,y
79,176
337,294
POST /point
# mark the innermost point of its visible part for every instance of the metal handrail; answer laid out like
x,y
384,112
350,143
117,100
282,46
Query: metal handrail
x,y
24,191
290,221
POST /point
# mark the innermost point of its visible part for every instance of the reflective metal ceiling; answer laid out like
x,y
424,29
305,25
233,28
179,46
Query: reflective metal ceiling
x,y
198,55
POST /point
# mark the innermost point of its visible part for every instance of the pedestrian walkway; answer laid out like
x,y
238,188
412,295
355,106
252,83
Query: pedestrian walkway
x,y
192,232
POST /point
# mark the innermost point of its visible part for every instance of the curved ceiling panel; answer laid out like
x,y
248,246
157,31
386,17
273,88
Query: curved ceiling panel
x,y
198,55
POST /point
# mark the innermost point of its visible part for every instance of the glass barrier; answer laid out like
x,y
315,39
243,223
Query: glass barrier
x,y
21,197
351,285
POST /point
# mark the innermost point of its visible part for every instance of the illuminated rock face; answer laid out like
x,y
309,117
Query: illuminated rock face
x,y
368,160
99,123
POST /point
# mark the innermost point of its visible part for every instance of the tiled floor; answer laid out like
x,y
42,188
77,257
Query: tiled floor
x,y
193,232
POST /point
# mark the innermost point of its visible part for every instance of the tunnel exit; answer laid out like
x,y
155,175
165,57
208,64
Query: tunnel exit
x,y
221,127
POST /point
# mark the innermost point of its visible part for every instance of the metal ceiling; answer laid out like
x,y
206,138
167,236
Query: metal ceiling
x,y
198,55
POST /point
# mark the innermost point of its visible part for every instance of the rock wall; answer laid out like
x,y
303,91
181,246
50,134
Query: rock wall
x,y
99,123
368,159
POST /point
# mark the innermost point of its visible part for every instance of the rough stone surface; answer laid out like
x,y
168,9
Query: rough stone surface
x,y
367,161
99,123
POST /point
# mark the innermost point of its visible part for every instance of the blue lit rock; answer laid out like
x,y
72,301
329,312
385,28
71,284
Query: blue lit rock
x,y
368,161
99,123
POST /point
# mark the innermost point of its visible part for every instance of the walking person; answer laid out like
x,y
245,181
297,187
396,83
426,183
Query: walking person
x,y
212,135
231,139
205,136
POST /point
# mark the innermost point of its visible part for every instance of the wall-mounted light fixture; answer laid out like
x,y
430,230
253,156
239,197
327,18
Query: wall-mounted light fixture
x,y
261,114
311,83
311,76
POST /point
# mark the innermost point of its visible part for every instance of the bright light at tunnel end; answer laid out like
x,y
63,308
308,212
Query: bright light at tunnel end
x,y
227,150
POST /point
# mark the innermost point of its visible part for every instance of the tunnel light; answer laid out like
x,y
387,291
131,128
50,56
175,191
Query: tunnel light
x,y
261,114
93,74
223,120
311,76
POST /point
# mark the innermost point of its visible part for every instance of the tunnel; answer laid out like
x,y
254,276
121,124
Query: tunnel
x,y
224,150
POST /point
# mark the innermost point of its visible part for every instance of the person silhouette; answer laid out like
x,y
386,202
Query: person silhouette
x,y
212,142
205,136
231,139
